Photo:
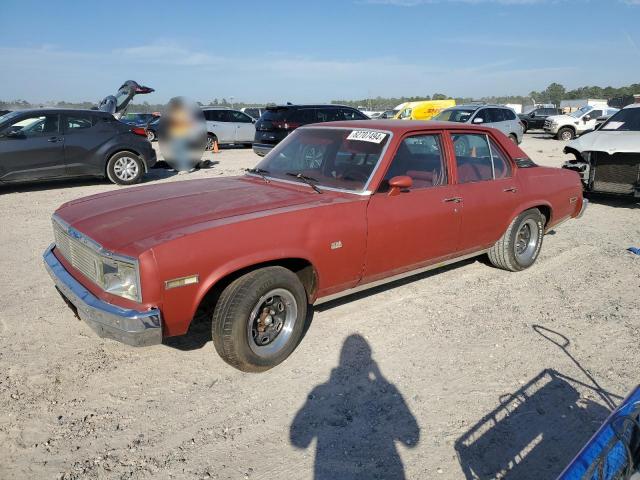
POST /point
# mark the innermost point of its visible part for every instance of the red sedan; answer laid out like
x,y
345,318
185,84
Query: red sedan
x,y
334,208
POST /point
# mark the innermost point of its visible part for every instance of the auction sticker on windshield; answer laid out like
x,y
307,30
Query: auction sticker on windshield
x,y
367,136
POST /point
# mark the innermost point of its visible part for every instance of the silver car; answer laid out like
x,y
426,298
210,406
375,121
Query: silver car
x,y
496,116
227,126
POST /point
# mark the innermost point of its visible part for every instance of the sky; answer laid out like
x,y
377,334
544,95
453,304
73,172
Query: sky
x,y
313,51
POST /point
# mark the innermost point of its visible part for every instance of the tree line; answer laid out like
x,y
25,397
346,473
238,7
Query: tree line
x,y
554,93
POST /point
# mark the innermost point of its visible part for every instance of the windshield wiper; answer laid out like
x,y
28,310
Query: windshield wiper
x,y
308,180
259,171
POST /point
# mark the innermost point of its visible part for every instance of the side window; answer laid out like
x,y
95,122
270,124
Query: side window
x,y
496,115
473,157
327,114
33,126
419,157
595,114
509,114
77,122
501,165
348,114
214,115
239,117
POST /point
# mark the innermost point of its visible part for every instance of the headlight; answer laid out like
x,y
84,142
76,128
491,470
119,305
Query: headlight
x,y
119,278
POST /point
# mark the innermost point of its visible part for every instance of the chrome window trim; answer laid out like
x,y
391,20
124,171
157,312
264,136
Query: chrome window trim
x,y
365,190
101,251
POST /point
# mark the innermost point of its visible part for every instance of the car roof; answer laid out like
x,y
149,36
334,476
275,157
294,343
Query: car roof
x,y
633,105
325,105
61,110
398,126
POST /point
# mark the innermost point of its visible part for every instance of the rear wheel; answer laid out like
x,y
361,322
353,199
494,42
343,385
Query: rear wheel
x,y
151,136
566,134
520,245
125,168
513,138
259,319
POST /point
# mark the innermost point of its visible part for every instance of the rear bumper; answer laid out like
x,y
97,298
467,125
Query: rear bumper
x,y
585,204
262,148
132,327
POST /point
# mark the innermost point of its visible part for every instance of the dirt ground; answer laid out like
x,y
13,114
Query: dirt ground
x,y
466,371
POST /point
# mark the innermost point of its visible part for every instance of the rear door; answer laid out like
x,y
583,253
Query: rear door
x,y
219,123
84,134
419,226
31,148
489,193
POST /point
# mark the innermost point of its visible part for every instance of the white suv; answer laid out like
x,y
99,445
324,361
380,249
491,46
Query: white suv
x,y
567,127
227,126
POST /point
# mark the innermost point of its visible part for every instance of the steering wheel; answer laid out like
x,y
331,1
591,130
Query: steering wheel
x,y
355,175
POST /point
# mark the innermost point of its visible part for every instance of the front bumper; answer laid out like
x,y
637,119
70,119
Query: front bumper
x,y
585,204
128,326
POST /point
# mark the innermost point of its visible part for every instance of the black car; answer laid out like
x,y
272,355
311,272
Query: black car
x,y
139,119
46,144
279,121
535,118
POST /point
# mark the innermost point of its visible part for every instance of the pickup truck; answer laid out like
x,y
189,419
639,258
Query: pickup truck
x,y
574,124
333,209
535,118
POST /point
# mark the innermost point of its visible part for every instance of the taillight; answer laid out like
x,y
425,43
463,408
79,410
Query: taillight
x,y
139,131
285,125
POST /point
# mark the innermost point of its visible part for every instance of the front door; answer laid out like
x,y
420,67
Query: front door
x,y
419,226
487,188
32,148
245,130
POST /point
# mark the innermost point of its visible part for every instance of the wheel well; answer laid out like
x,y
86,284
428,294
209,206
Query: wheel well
x,y
128,150
302,268
546,211
570,127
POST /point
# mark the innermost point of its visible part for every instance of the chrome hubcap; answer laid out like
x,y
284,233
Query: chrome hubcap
x,y
271,322
150,136
526,241
125,168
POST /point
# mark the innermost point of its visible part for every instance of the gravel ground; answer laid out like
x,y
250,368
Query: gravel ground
x,y
468,370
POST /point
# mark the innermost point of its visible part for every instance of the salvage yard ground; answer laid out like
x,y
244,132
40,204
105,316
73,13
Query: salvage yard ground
x,y
466,369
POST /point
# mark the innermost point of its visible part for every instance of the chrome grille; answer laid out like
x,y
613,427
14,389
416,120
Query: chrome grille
x,y
80,256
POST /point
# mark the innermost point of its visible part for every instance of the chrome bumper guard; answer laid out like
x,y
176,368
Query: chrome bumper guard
x,y
132,327
585,204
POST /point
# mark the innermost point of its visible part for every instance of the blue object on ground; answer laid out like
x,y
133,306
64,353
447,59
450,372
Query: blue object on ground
x,y
606,455
635,250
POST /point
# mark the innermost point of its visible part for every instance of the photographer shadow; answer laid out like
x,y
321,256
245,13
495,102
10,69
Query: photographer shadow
x,y
357,417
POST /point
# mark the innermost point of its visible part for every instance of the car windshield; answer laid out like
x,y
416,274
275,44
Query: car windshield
x,y
8,116
342,158
454,115
627,120
581,111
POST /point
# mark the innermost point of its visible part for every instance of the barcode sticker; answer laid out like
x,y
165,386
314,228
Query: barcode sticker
x,y
367,136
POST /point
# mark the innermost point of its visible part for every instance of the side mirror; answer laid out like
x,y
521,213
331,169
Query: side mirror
x,y
398,184
478,120
532,114
586,118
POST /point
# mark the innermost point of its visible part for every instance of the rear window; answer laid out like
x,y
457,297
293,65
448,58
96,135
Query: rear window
x,y
278,115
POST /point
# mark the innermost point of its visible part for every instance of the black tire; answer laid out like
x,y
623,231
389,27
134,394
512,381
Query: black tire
x,y
514,138
125,168
234,319
508,252
566,133
525,127
211,139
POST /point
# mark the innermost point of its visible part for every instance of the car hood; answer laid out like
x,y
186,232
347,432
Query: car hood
x,y
562,118
609,141
132,220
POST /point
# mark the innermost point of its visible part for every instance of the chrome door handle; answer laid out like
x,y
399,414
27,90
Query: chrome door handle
x,y
511,189
452,199
53,139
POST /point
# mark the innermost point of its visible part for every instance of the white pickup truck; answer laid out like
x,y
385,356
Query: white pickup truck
x,y
567,127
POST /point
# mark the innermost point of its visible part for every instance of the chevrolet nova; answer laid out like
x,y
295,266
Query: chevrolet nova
x,y
333,209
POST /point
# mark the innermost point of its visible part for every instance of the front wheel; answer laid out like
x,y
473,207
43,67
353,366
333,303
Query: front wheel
x,y
259,319
565,134
520,245
125,168
211,139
